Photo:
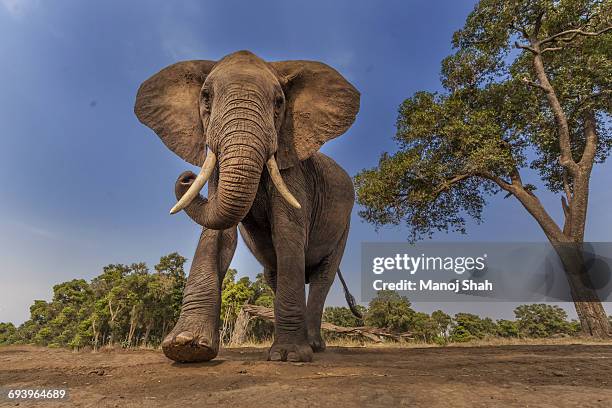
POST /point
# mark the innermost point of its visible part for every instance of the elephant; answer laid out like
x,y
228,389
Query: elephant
x,y
255,128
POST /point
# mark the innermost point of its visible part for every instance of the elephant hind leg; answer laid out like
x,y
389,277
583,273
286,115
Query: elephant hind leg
x,y
321,279
270,277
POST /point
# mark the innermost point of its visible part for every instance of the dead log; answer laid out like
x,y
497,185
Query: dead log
x,y
240,328
249,312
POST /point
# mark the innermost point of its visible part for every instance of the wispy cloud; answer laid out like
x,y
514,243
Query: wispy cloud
x,y
19,8
35,230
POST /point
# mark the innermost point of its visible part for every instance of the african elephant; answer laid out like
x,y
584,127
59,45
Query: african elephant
x,y
255,128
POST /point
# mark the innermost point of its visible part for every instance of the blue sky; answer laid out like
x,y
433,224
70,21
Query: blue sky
x,y
84,184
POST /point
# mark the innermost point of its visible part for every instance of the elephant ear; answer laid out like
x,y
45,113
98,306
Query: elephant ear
x,y
320,106
168,103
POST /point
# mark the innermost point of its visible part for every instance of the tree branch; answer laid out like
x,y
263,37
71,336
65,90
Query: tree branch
x,y
537,26
567,213
504,185
373,333
573,34
448,183
566,209
551,49
533,205
590,136
566,188
532,83
566,159
526,47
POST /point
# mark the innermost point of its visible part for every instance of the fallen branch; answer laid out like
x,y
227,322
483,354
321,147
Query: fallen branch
x,y
249,312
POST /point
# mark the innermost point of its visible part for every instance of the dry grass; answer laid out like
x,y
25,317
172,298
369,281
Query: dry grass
x,y
498,341
494,341
356,342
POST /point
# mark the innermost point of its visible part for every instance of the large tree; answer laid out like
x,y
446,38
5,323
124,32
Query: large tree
x,y
527,87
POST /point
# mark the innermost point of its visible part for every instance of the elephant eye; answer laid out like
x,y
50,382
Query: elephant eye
x,y
205,94
206,98
278,102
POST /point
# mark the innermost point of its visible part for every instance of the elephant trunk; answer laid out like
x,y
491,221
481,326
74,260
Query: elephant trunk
x,y
242,156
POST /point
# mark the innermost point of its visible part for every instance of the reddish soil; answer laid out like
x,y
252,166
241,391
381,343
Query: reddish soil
x,y
504,376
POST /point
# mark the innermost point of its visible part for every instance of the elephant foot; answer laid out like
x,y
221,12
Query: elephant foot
x,y
188,344
317,343
290,352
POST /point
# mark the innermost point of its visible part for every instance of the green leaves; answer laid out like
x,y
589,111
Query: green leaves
x,y
542,320
494,119
342,316
468,326
444,143
390,311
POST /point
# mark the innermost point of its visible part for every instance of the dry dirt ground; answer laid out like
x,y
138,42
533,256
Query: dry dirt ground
x,y
498,376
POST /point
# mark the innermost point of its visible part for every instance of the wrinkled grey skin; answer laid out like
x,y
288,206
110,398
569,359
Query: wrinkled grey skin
x,y
247,110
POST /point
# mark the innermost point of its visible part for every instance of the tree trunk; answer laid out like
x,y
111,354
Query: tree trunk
x,y
593,319
239,333
164,328
590,311
145,338
133,324
96,334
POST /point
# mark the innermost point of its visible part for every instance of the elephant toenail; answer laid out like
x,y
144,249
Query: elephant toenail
x,y
167,342
183,338
292,356
203,343
275,356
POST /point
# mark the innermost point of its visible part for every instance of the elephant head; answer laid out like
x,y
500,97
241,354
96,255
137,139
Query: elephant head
x,y
240,114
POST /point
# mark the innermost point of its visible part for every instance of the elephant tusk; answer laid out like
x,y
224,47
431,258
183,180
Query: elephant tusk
x,y
198,183
280,185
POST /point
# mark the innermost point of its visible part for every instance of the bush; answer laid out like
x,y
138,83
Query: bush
x,y
7,333
342,316
423,327
468,326
542,320
388,310
507,328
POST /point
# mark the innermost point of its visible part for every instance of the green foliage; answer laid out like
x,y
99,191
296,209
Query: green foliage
x,y
507,328
456,148
235,294
423,327
7,333
342,316
541,320
388,310
263,294
129,306
443,323
468,326
124,304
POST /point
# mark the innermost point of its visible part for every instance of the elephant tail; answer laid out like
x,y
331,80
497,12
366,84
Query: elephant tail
x,y
350,299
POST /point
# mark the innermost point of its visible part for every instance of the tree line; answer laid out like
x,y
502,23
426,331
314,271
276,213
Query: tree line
x,y
125,304
131,306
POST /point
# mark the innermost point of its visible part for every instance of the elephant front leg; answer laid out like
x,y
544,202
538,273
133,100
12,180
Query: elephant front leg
x,y
195,337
